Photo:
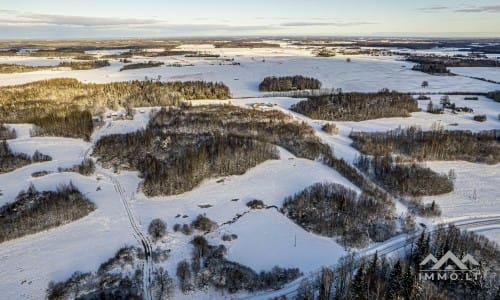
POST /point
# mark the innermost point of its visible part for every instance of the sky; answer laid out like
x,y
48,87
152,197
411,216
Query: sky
x,y
76,19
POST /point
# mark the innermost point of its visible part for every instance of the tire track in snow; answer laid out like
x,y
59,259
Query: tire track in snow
x,y
137,232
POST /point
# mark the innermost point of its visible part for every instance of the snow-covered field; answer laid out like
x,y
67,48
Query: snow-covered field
x,y
363,73
476,190
487,73
265,237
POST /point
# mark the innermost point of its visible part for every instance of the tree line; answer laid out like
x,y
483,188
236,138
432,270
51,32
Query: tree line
x,y
73,65
494,96
453,61
149,64
436,144
34,211
289,83
10,161
357,106
6,133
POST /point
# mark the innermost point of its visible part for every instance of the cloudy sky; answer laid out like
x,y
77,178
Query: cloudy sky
x,y
62,19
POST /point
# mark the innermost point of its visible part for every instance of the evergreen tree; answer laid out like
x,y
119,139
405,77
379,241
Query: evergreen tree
x,y
359,285
394,287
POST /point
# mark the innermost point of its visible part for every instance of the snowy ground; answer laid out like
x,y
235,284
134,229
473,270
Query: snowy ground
x,y
487,73
364,73
265,237
476,190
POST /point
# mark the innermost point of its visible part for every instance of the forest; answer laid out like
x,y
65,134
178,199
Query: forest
x,y
289,83
453,61
149,64
404,179
65,106
333,210
9,161
357,106
433,68
74,124
74,65
436,144
382,278
34,211
184,145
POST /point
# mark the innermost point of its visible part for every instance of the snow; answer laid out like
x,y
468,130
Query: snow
x,y
476,190
271,182
265,237
493,234
29,263
30,61
280,242
364,73
479,72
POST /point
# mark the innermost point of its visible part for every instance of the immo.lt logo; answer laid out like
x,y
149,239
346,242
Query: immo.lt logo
x,y
449,267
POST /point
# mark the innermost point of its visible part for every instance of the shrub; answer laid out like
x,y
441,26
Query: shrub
x,y
330,129
480,118
229,237
184,276
203,223
256,204
157,229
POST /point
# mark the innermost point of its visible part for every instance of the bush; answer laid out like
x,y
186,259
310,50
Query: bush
x,y
203,223
229,237
186,229
157,229
256,204
495,96
480,118
330,129
184,276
